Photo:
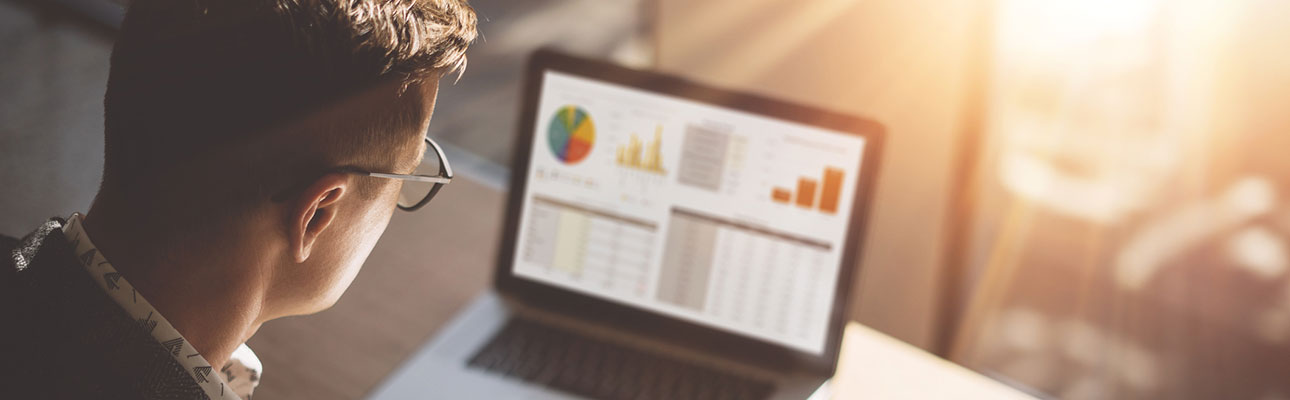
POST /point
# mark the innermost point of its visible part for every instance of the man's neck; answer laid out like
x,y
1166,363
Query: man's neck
x,y
213,296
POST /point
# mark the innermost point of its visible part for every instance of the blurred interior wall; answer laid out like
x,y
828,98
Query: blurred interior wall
x,y
1133,232
899,62
52,75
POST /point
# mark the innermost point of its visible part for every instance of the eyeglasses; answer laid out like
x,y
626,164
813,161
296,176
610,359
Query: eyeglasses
x,y
424,182
418,187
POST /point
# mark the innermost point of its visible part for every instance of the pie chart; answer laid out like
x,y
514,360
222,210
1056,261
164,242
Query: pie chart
x,y
571,134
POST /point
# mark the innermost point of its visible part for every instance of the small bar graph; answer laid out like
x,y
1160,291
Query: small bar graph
x,y
832,190
781,195
805,192
636,155
808,188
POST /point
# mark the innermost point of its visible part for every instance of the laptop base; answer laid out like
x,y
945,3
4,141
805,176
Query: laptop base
x,y
441,368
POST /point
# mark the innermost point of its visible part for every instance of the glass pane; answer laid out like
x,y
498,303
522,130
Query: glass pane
x,y
429,163
412,192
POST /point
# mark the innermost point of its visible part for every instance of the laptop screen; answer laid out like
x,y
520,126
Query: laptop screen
x,y
695,211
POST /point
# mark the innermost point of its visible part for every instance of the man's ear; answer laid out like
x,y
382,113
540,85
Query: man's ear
x,y
313,211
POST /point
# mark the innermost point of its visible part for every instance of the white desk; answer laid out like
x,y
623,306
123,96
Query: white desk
x,y
877,366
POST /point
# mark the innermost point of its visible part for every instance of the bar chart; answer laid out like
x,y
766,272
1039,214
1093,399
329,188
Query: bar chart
x,y
639,156
811,194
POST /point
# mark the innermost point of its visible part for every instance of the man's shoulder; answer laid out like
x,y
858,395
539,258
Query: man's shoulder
x,y
20,258
69,338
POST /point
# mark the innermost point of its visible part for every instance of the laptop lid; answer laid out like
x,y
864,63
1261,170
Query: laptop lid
x,y
723,221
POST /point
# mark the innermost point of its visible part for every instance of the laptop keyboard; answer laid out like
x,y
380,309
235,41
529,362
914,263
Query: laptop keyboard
x,y
588,367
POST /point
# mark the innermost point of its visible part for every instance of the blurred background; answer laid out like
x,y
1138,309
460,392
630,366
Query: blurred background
x,y
1081,199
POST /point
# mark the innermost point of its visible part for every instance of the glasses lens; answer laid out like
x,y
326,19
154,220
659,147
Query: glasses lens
x,y
413,192
429,163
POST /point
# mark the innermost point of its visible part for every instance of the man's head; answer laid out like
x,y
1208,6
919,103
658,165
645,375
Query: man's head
x,y
228,121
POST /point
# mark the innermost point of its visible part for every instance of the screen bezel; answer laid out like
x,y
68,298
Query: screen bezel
x,y
671,329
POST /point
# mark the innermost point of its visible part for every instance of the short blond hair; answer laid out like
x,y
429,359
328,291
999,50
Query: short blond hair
x,y
412,37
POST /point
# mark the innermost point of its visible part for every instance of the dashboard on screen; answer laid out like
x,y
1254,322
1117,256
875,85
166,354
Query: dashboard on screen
x,y
707,214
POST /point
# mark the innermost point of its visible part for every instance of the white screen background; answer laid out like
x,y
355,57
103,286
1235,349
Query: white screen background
x,y
699,236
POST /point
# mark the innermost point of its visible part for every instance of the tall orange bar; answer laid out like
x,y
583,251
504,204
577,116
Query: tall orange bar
x,y
781,195
806,192
831,191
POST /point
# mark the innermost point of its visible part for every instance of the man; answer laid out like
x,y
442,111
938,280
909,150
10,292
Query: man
x,y
255,151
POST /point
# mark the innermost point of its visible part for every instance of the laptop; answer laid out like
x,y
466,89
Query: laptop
x,y
663,240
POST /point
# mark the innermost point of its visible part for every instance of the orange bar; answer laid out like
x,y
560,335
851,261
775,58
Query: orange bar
x,y
831,191
805,192
780,195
